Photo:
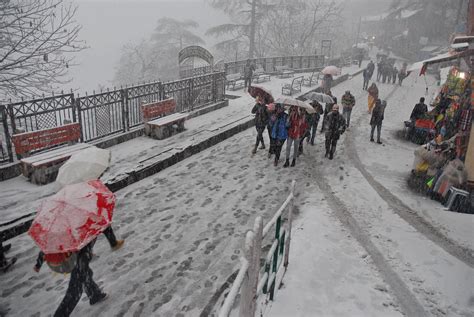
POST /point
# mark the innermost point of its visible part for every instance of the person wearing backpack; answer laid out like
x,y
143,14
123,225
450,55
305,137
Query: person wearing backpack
x,y
81,280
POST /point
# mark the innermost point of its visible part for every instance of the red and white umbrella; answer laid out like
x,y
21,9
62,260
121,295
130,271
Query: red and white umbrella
x,y
73,217
331,70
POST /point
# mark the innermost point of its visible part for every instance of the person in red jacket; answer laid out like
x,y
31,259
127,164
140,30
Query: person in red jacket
x,y
297,126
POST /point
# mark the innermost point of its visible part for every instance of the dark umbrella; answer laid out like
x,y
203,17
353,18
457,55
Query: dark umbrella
x,y
255,91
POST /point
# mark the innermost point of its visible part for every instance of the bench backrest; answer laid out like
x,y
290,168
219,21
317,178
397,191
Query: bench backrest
x,y
43,139
297,81
235,76
156,109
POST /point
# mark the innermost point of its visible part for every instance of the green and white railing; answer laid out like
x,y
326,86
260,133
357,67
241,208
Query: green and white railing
x,y
250,281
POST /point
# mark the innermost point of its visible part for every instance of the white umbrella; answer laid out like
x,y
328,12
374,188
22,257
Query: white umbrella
x,y
331,70
83,166
288,102
319,97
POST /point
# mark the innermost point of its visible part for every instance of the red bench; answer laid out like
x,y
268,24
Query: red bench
x,y
160,119
42,168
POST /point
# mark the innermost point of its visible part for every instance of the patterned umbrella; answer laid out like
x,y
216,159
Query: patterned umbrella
x,y
73,217
288,102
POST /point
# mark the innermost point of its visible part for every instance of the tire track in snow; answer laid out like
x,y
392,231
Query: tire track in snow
x,y
404,211
408,302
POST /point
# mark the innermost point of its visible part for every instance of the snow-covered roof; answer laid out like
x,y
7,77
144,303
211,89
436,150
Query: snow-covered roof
x,y
430,48
463,39
374,18
405,14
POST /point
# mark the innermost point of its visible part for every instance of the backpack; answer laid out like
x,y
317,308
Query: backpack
x,y
61,262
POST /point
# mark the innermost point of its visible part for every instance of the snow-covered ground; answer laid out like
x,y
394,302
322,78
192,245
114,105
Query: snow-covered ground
x,y
423,274
351,253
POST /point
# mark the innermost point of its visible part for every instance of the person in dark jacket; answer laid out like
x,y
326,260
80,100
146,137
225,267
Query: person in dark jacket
x,y
394,74
348,102
335,125
366,77
4,262
371,68
81,280
328,108
327,82
419,110
376,119
249,68
261,121
279,131
314,121
380,66
272,116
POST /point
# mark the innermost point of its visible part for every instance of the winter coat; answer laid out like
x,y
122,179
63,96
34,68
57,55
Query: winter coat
x,y
370,68
327,81
261,115
366,74
335,125
297,125
279,130
348,101
418,111
373,91
272,116
377,114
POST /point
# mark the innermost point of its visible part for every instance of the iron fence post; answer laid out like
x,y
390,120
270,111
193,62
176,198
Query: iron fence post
x,y
6,133
125,112
77,105
73,108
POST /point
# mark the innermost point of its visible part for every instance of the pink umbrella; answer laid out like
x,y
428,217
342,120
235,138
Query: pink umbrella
x,y
331,70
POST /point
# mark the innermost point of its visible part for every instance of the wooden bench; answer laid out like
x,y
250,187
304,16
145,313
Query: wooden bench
x,y
260,76
43,168
295,86
235,81
311,80
284,71
161,121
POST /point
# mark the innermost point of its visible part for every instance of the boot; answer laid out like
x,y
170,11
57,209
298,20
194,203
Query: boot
x,y
371,139
254,150
262,147
98,298
293,163
287,163
275,163
379,142
331,155
118,245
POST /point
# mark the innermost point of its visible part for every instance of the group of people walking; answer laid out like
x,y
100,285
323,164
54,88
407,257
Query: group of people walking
x,y
298,126
387,72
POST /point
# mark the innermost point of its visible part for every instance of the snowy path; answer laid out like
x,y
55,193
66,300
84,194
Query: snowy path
x,y
428,273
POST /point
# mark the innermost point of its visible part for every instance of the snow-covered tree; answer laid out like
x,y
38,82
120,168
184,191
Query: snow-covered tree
x,y
156,58
37,38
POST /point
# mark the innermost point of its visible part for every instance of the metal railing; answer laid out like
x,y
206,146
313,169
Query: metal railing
x,y
269,64
105,113
250,281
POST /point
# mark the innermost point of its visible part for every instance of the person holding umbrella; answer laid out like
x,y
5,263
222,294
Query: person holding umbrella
x,y
315,119
297,126
65,228
335,125
261,121
279,131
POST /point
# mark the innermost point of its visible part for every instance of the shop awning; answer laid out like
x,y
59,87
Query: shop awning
x,y
446,57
